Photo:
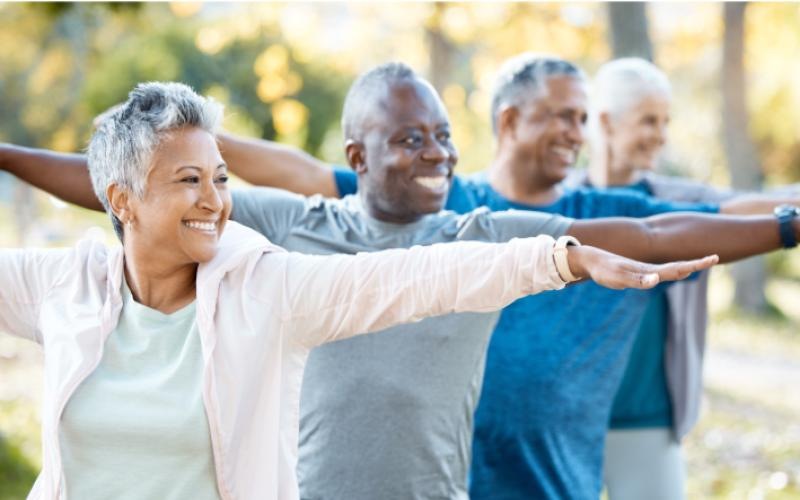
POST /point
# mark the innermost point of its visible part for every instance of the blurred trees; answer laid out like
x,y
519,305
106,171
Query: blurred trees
x,y
740,152
282,69
628,29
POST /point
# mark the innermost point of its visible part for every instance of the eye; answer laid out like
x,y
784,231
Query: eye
x,y
192,179
412,140
443,136
222,179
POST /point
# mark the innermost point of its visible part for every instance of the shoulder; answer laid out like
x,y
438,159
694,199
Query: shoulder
x,y
685,189
264,198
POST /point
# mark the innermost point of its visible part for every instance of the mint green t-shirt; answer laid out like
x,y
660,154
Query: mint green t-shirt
x,y
136,427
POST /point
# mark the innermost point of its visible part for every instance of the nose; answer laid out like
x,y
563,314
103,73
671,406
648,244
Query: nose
x,y
436,152
576,131
210,198
661,134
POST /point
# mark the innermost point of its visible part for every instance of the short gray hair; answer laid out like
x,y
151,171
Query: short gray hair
x,y
363,91
121,149
622,83
521,77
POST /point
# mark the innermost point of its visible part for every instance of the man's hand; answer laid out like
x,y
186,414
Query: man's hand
x,y
617,272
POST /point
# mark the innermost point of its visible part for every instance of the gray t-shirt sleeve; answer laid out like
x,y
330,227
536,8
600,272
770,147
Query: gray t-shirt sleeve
x,y
688,190
271,212
508,224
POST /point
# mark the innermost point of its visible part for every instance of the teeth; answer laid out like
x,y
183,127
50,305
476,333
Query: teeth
x,y
566,153
202,226
436,182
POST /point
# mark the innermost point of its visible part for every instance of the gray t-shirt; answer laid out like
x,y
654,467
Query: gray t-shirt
x,y
388,415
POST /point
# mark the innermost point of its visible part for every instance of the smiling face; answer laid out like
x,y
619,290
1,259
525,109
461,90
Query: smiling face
x,y
185,205
404,156
637,136
549,128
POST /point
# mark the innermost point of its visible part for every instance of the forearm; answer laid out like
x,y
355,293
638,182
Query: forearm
x,y
681,236
266,163
61,174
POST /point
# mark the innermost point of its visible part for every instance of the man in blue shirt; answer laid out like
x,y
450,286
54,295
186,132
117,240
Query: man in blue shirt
x,y
559,386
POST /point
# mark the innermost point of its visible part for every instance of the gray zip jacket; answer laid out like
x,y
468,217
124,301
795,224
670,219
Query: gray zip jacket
x,y
688,310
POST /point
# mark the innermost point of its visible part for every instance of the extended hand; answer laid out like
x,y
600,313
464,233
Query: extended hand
x,y
617,272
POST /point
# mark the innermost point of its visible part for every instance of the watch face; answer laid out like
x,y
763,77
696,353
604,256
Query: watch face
x,y
787,210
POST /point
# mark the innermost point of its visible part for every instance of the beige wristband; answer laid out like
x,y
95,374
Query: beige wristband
x,y
560,252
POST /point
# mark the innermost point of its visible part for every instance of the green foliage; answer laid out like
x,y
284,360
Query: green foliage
x,y
17,474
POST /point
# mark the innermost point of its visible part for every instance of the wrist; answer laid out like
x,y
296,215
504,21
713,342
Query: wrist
x,y
567,258
796,227
787,216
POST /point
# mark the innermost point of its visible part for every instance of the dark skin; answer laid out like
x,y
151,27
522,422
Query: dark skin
x,y
404,142
389,157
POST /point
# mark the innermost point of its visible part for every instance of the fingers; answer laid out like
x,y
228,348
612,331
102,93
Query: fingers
x,y
617,272
680,270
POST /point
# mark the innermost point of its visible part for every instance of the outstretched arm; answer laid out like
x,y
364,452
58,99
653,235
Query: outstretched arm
x,y
682,235
266,163
60,174
372,291
758,203
259,162
26,276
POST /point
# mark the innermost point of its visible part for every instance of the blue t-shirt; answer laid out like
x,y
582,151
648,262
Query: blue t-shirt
x,y
554,364
643,400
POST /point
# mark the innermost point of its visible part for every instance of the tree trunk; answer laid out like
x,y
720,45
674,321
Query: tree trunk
x,y
629,30
740,152
442,51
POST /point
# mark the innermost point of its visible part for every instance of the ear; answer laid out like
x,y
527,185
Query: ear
x,y
356,156
119,202
507,121
605,123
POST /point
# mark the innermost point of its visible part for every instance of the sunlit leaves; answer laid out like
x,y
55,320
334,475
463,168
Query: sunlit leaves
x,y
185,9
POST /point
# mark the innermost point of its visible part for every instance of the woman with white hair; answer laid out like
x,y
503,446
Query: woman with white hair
x,y
173,363
658,400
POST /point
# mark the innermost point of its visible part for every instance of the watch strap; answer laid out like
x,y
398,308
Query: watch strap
x,y
560,252
786,228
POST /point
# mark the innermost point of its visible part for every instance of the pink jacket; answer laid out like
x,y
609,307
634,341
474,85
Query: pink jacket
x,y
260,310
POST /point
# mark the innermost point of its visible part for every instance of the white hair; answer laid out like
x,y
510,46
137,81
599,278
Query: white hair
x,y
621,84
121,149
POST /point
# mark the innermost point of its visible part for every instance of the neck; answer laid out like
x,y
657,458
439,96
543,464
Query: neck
x,y
374,211
603,171
161,287
518,182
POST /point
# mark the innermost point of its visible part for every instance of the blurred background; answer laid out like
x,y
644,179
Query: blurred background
x,y
282,71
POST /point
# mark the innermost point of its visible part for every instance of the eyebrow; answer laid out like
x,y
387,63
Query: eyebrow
x,y
194,167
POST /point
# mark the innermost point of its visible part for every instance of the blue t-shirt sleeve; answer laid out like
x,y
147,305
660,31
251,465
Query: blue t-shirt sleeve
x,y
639,205
346,180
